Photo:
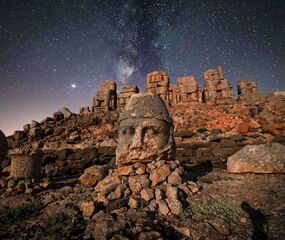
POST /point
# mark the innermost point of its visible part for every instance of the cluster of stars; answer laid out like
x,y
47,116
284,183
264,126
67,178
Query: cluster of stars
x,y
56,53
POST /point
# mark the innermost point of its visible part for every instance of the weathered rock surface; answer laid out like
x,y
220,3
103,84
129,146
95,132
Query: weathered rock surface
x,y
125,94
217,90
158,83
106,97
26,165
264,158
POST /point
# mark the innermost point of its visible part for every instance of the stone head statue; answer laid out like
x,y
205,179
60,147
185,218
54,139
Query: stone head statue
x,y
145,132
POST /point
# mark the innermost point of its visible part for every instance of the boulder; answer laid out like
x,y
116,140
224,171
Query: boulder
x,y
66,112
18,135
263,158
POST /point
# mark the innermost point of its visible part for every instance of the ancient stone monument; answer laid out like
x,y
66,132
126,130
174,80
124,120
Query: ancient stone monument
x,y
246,87
146,174
158,83
145,132
188,90
217,90
106,98
26,165
3,146
125,94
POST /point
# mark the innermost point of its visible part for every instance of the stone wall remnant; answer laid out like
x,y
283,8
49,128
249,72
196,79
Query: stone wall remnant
x,y
217,90
246,87
158,83
106,97
188,90
125,94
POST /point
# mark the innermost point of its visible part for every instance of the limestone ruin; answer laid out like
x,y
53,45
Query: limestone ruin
x,y
188,90
125,94
158,83
217,90
106,97
246,87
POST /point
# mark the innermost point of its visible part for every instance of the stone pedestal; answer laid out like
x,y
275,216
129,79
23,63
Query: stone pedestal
x,y
26,165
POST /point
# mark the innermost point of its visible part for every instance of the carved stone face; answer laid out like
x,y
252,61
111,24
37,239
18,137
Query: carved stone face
x,y
144,139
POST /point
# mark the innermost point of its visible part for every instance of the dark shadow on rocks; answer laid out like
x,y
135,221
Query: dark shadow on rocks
x,y
198,170
258,221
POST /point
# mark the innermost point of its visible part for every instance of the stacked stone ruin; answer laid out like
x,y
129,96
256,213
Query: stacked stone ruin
x,y
186,91
217,90
158,83
106,98
125,94
246,88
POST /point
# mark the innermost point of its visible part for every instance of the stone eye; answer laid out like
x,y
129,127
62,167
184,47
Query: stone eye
x,y
151,130
127,131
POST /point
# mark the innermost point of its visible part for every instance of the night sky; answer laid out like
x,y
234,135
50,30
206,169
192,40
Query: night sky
x,y
55,53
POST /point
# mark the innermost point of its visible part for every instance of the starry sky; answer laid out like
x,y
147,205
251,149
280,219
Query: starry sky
x,y
54,53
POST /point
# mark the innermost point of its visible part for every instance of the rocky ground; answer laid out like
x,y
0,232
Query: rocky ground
x,y
227,206
221,206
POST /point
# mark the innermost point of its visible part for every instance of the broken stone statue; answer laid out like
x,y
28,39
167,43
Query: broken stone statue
x,y
146,175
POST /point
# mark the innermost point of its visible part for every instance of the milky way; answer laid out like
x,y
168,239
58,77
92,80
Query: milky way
x,y
55,53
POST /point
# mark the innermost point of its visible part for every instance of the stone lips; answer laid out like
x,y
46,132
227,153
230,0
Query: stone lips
x,y
3,146
146,105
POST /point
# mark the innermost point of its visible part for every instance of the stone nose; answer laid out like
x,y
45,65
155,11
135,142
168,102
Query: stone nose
x,y
137,140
